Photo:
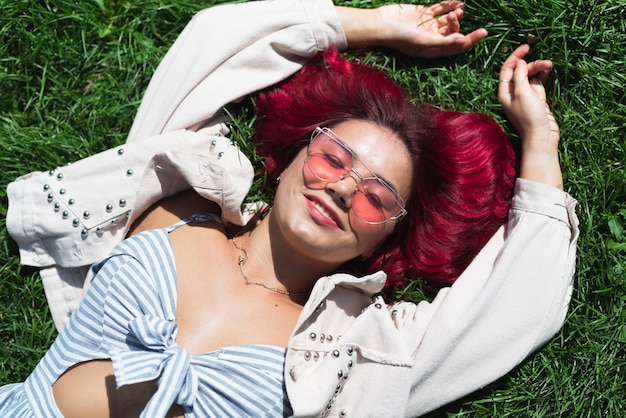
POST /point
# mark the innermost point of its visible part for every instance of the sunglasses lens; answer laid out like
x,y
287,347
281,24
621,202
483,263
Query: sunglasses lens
x,y
327,159
374,202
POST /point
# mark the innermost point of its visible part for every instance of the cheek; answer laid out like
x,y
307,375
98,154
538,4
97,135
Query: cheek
x,y
370,235
294,171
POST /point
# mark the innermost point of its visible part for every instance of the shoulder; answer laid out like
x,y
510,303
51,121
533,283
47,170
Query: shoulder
x,y
137,261
172,209
139,276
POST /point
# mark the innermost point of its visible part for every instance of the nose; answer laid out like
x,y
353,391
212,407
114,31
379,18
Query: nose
x,y
342,190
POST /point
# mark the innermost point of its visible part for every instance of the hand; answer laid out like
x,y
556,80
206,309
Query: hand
x,y
522,94
417,31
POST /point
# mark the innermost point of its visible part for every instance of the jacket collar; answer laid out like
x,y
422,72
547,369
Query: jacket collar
x,y
368,285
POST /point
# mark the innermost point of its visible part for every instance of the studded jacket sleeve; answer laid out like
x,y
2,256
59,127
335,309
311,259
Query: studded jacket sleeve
x,y
229,51
66,219
509,302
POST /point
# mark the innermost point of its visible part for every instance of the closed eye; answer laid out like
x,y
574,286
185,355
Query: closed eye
x,y
333,161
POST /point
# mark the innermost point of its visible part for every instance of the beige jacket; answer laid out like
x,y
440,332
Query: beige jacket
x,y
66,219
350,353
353,355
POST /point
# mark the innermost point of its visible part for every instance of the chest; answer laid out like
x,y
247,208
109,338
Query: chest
x,y
215,308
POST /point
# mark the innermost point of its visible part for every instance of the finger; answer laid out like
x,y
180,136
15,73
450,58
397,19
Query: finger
x,y
446,6
445,46
520,74
457,43
451,24
540,68
507,69
513,76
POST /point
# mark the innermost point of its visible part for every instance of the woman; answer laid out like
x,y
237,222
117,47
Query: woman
x,y
336,200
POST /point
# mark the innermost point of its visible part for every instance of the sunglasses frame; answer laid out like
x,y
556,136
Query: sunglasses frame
x,y
333,136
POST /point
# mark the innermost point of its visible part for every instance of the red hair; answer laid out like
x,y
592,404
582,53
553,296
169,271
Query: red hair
x,y
463,163
462,195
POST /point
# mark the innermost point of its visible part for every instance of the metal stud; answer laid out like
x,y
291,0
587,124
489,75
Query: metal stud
x,y
51,172
65,214
378,305
316,356
71,202
322,337
99,230
340,374
129,172
394,312
86,214
75,222
62,191
50,197
220,154
57,206
213,143
109,207
113,221
122,202
84,232
218,134
307,355
60,176
350,350
329,338
350,364
46,187
336,353
120,151
343,413
313,336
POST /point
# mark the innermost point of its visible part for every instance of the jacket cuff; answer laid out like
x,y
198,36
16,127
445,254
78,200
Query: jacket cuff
x,y
532,196
325,24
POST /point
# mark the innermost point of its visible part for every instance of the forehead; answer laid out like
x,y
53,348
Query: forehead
x,y
378,148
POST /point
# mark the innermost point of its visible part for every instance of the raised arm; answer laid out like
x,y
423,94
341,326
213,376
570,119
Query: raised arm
x,y
514,296
229,51
522,94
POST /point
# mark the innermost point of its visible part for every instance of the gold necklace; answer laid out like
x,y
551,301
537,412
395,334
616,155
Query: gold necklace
x,y
242,261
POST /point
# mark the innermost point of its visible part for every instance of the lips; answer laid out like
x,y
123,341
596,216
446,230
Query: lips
x,y
323,213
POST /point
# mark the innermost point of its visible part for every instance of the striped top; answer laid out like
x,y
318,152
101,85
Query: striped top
x,y
129,316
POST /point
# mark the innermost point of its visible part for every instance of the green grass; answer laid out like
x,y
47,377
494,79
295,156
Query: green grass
x,y
72,74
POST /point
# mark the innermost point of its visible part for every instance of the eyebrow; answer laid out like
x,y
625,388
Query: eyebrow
x,y
355,156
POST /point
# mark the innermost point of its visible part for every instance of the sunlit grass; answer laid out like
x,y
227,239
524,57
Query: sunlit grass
x,y
72,75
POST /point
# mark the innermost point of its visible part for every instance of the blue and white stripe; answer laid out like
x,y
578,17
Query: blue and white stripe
x,y
129,316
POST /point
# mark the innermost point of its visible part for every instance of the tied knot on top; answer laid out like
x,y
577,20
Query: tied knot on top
x,y
156,356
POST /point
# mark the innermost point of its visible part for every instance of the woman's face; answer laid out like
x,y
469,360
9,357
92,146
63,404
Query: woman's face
x,y
327,220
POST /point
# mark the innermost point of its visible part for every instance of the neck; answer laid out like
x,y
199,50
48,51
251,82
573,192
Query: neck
x,y
274,261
